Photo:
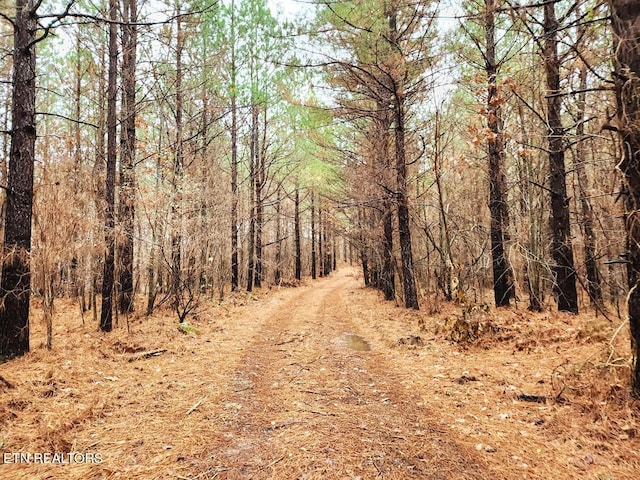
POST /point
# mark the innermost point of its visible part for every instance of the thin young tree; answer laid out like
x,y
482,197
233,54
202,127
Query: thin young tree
x,y
594,288
178,169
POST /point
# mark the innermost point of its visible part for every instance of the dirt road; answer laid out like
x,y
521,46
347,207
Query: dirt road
x,y
310,398
293,385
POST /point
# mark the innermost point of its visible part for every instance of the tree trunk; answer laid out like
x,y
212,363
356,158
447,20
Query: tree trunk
x,y
4,165
625,15
334,255
99,175
594,288
502,275
531,206
47,304
446,277
384,166
259,184
277,274
561,249
178,166
155,274
204,274
314,266
258,269
404,220
326,263
320,243
106,321
126,212
408,275
235,274
388,270
253,167
151,278
77,285
364,257
297,236
15,287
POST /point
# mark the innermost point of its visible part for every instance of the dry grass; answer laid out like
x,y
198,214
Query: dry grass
x,y
268,388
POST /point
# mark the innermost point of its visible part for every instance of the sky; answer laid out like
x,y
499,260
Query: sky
x,y
290,9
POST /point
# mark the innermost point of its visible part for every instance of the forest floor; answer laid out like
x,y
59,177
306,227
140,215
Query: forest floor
x,y
323,381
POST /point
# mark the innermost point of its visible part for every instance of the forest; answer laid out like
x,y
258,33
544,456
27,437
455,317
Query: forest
x,y
460,179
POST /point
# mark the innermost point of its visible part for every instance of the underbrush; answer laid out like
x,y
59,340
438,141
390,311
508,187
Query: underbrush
x,y
592,360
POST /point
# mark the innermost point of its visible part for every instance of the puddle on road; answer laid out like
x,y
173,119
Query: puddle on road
x,y
356,342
